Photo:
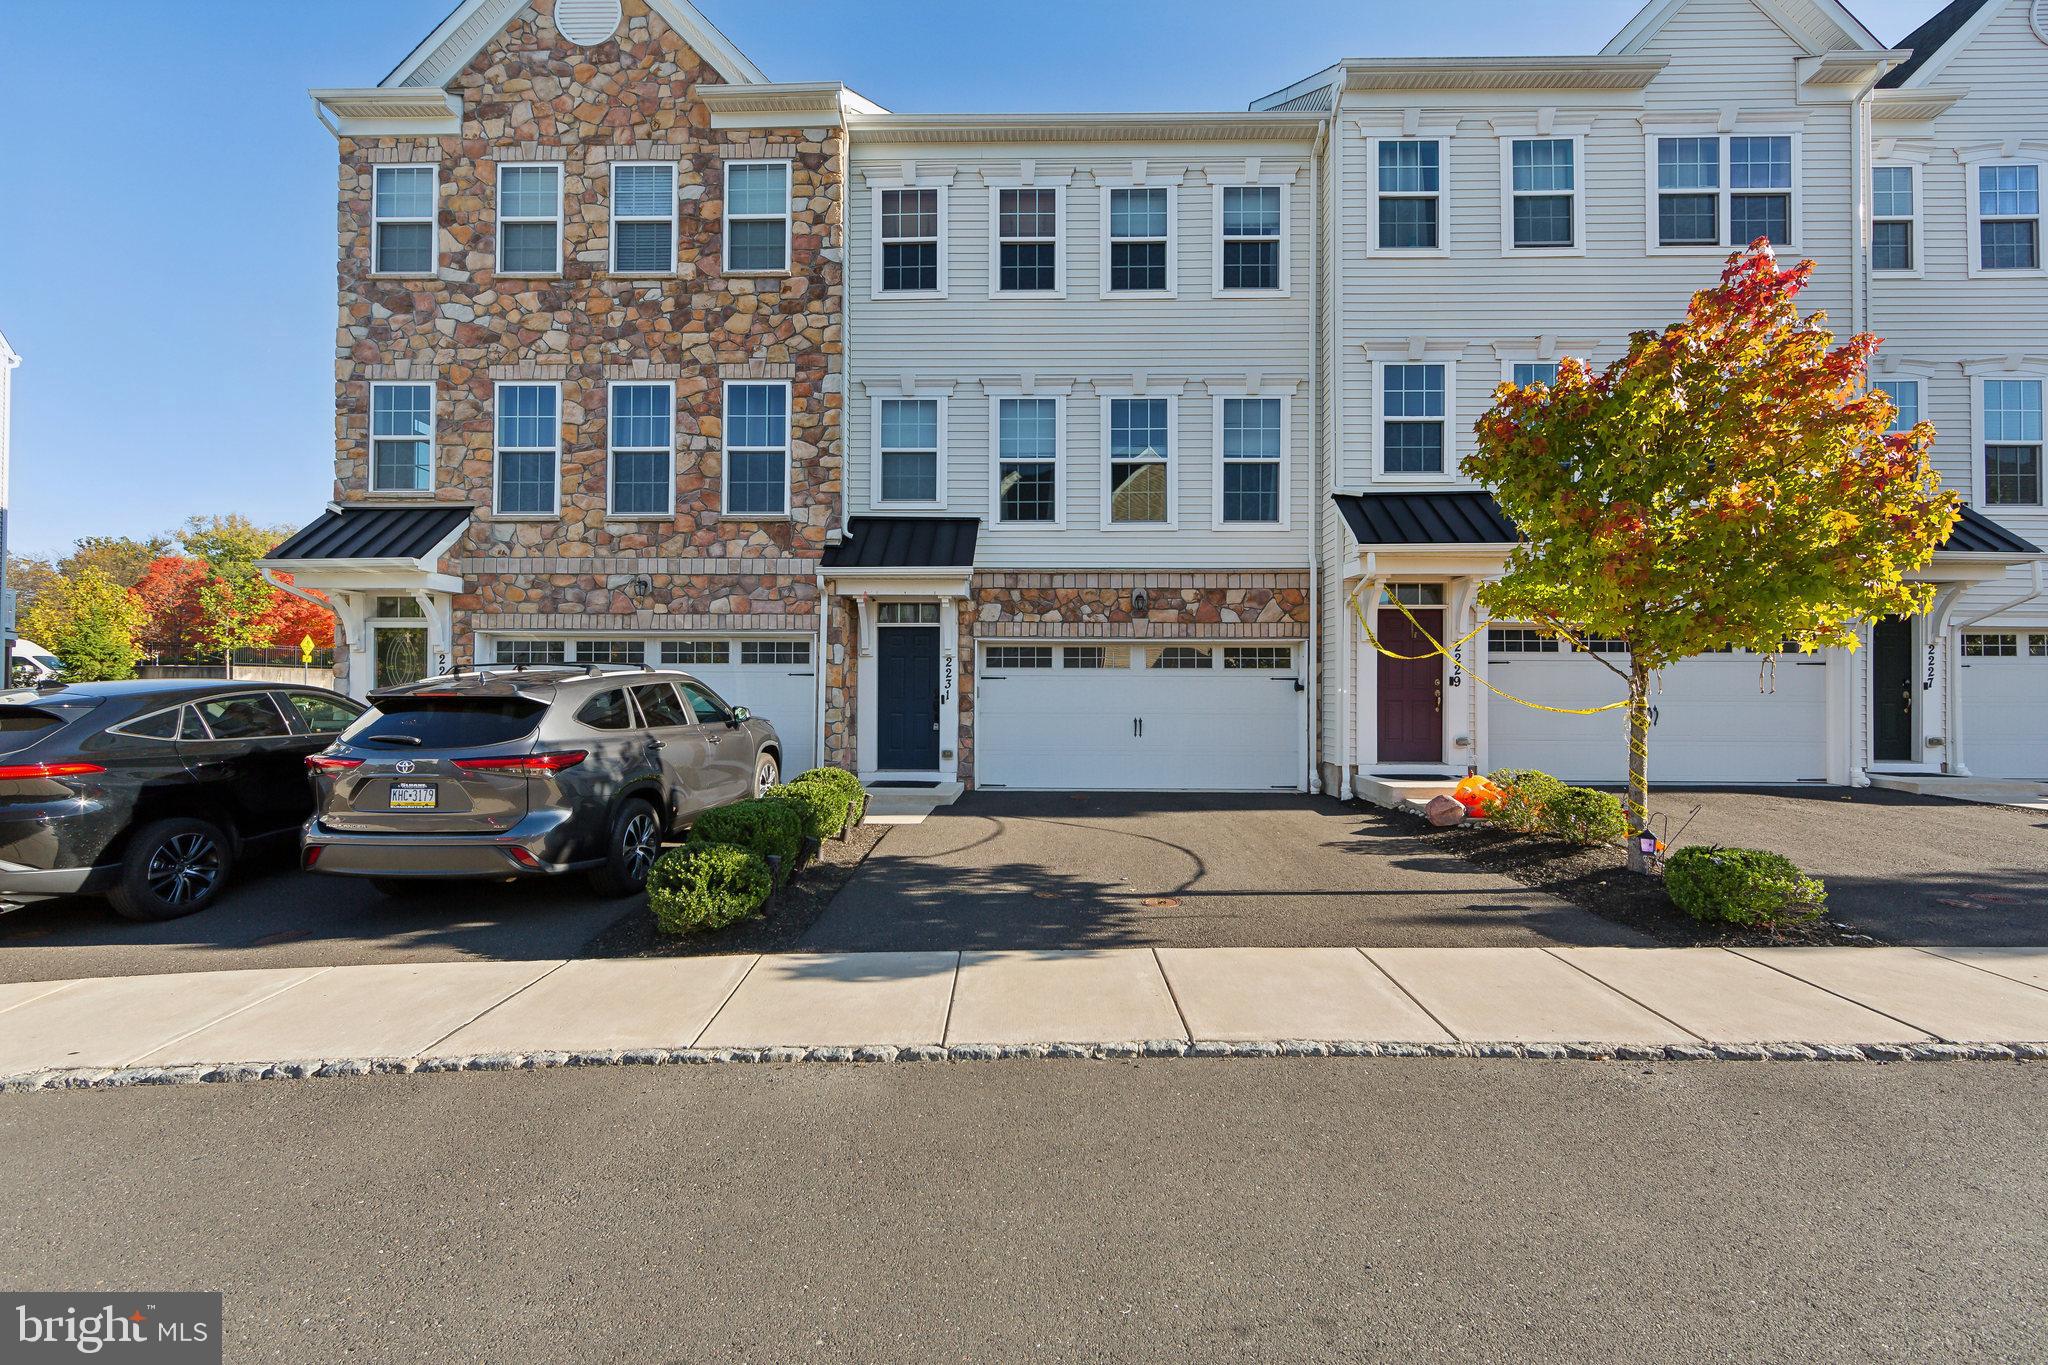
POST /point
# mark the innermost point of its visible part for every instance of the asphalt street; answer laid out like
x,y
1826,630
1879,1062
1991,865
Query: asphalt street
x,y
1160,1210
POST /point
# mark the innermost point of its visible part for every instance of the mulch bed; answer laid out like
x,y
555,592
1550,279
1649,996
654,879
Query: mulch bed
x,y
1598,879
789,913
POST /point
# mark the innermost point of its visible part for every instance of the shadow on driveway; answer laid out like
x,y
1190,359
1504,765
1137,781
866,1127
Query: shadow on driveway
x,y
1038,870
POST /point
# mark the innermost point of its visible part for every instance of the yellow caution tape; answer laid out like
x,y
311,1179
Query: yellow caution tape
x,y
1438,650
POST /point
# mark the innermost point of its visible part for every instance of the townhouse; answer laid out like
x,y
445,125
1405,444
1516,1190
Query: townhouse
x,y
1080,450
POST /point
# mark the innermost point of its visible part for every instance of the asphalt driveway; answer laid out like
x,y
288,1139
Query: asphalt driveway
x,y
1053,870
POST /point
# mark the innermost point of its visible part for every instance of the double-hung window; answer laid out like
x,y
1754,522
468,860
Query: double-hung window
x,y
907,454
909,223
2012,442
1140,458
1688,191
756,450
1410,196
403,212
1905,396
401,438
1251,456
1027,241
529,449
1027,461
530,220
1718,190
2008,217
1140,240
1525,373
1759,190
1415,412
1892,214
1250,244
643,218
1543,189
642,431
756,217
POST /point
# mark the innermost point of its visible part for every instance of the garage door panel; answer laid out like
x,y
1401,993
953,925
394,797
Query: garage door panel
x,y
2004,712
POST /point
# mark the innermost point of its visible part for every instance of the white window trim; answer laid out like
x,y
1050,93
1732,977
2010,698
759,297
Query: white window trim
x,y
1449,475
433,424
1286,482
1507,194
673,219
1905,374
1174,454
612,448
1508,363
996,399
875,498
1172,289
1979,491
725,448
1286,188
995,240
1917,230
561,188
1796,219
1975,204
498,450
943,192
432,220
1443,200
786,218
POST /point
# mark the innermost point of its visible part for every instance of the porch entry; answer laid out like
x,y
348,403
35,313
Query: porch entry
x,y
1411,691
907,650
1891,690
398,642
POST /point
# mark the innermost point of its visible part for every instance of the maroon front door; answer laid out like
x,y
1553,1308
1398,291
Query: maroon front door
x,y
1411,691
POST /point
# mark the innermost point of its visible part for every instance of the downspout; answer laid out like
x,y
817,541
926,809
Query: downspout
x,y
1315,533
824,664
1346,694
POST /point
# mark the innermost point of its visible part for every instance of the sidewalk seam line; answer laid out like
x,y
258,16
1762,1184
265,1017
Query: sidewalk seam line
x,y
698,1036
1608,985
1172,994
952,994
1413,999
488,1008
1828,990
222,1019
1937,953
57,987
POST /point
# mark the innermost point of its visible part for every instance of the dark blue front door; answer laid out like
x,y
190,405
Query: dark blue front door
x,y
907,688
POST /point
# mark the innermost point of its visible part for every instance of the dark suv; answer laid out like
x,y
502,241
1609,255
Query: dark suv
x,y
147,791
530,771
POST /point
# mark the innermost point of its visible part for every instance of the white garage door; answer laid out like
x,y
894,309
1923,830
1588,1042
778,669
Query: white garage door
x,y
2002,692
1713,723
1191,717
775,678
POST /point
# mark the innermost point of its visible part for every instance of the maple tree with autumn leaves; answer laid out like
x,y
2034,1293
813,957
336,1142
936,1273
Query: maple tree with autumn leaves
x,y
1731,482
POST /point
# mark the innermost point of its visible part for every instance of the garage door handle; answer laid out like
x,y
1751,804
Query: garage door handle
x,y
1137,725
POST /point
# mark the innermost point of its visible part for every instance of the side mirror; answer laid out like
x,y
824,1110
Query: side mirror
x,y
739,713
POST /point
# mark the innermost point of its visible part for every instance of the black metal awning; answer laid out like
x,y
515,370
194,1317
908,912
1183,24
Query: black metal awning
x,y
342,534
1977,534
1462,517
905,543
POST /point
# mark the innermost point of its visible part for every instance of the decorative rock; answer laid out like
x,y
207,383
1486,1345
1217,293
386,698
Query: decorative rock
x,y
1739,1052
974,1052
1688,1052
1443,812
1887,1052
1163,1047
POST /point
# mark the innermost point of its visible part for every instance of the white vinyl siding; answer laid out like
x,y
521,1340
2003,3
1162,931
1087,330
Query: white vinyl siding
x,y
529,218
404,211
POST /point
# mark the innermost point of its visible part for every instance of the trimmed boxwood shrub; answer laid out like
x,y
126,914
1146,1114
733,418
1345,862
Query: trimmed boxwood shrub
x,y
840,780
705,886
1526,792
1742,886
823,806
767,829
1580,815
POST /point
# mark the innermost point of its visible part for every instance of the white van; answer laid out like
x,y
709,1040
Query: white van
x,y
33,663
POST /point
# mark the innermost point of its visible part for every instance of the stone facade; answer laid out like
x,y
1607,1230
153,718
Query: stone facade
x,y
531,95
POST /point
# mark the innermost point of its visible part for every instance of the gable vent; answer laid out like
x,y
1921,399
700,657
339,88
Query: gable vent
x,y
586,23
2041,20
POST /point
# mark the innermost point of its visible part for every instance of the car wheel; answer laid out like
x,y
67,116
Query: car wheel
x,y
767,772
630,852
172,868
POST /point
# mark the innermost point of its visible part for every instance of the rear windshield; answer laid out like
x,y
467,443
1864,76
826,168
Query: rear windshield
x,y
445,722
21,726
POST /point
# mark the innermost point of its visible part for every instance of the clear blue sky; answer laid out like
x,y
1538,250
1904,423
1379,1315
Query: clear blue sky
x,y
167,208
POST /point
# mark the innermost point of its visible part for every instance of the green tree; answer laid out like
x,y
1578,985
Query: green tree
x,y
90,622
124,559
234,597
1730,482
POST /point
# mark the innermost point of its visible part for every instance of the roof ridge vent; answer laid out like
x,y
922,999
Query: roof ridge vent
x,y
587,23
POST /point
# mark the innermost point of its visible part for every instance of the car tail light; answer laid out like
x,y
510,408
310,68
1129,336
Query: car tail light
x,y
25,772
528,765
321,763
522,857
313,854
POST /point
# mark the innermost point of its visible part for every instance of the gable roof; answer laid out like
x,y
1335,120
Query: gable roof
x,y
1928,40
1849,33
473,23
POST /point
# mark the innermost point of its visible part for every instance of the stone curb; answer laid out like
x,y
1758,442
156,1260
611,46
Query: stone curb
x,y
107,1078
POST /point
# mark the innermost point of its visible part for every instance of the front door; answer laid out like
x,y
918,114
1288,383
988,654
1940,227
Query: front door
x,y
1891,690
907,699
1411,690
400,654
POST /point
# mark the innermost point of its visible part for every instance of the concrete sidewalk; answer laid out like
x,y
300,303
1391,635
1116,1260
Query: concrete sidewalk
x,y
1684,1002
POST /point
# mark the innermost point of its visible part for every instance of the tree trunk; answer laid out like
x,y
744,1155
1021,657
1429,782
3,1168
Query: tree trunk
x,y
1638,803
